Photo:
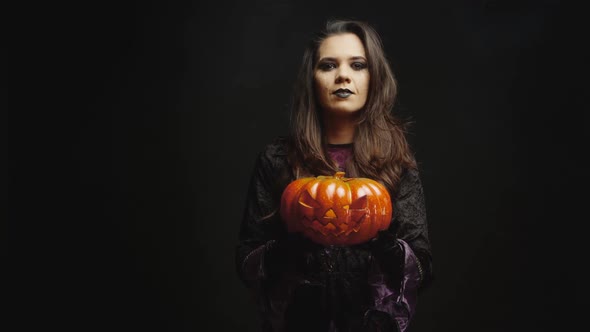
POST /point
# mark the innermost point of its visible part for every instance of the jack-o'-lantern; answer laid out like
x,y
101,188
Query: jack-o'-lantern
x,y
335,210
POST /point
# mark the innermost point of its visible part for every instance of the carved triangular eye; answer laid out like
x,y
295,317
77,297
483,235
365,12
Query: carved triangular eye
x,y
360,204
306,200
330,214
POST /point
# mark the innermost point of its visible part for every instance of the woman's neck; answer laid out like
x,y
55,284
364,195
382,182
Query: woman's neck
x,y
339,129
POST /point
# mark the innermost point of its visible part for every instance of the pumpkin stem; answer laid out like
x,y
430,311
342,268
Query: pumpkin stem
x,y
339,175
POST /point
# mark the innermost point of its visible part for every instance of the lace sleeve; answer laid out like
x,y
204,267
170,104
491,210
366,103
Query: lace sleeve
x,y
411,223
261,220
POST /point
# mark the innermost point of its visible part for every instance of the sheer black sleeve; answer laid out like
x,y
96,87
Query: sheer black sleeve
x,y
261,219
410,223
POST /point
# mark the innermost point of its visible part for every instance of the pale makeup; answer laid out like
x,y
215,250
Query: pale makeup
x,y
341,75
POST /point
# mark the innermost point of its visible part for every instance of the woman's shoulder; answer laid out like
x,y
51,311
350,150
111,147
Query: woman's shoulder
x,y
274,153
409,182
410,174
273,163
275,149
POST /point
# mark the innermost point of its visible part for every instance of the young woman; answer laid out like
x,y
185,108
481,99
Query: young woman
x,y
341,121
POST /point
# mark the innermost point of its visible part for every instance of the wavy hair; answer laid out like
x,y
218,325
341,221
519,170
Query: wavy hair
x,y
380,149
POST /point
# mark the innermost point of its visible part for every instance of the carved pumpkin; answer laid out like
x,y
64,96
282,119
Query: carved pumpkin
x,y
334,210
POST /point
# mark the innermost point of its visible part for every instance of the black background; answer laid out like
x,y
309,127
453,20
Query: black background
x,y
131,149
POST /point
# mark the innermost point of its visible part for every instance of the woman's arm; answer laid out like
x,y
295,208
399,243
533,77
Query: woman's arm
x,y
261,221
402,254
411,223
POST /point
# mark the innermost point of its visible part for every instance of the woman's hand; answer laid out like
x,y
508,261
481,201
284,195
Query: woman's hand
x,y
389,255
292,252
378,321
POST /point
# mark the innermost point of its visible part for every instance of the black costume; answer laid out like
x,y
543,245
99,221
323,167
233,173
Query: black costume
x,y
316,288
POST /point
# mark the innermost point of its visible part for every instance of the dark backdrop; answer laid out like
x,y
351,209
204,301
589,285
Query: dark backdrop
x,y
127,178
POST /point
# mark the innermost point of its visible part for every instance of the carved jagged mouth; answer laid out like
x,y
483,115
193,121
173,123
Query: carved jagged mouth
x,y
331,229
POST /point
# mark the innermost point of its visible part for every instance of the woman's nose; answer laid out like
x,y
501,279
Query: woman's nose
x,y
342,75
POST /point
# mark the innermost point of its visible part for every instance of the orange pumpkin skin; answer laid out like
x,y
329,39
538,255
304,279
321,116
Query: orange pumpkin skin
x,y
335,210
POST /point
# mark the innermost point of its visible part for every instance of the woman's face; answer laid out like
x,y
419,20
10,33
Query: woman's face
x,y
341,75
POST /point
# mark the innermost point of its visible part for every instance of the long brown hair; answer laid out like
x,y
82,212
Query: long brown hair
x,y
380,148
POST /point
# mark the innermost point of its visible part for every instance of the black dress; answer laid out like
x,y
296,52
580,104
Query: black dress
x,y
336,298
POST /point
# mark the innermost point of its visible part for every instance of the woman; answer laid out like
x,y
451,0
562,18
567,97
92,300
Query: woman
x,y
341,121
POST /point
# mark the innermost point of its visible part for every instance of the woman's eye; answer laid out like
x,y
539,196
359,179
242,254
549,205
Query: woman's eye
x,y
358,65
325,66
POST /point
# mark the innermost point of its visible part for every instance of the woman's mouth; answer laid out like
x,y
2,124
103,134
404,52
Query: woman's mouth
x,y
343,93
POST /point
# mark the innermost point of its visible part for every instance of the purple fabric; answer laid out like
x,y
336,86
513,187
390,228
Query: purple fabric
x,y
398,301
340,153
